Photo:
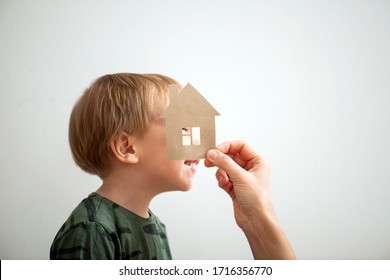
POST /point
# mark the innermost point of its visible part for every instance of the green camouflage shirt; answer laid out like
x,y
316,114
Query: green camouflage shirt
x,y
100,229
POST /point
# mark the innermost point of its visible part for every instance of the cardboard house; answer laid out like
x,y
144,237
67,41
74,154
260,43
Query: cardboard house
x,y
190,124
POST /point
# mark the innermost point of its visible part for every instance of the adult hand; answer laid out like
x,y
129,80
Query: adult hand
x,y
245,176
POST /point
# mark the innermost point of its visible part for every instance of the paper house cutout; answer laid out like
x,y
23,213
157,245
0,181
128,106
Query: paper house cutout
x,y
190,124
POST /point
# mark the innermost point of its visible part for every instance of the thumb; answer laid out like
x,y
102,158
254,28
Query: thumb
x,y
225,163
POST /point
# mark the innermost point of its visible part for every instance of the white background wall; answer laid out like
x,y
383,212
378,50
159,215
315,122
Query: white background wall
x,y
306,83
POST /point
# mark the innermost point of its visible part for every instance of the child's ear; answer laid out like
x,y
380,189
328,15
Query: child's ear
x,y
123,148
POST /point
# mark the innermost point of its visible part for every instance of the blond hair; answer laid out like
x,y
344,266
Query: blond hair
x,y
113,104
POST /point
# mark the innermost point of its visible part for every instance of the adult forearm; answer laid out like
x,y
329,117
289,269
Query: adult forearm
x,y
267,239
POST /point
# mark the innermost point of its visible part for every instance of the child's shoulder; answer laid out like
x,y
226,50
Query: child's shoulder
x,y
93,211
101,214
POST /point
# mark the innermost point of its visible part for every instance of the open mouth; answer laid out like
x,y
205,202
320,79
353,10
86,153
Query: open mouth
x,y
191,163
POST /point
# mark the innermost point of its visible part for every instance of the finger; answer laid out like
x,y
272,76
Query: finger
x,y
225,163
231,149
208,163
222,177
229,189
224,182
237,147
235,157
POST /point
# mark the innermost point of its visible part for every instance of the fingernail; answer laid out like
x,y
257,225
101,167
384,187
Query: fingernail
x,y
212,154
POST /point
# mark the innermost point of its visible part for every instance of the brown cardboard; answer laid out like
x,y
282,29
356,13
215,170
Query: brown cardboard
x,y
190,124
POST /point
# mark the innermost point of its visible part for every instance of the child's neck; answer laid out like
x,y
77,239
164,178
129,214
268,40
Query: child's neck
x,y
128,195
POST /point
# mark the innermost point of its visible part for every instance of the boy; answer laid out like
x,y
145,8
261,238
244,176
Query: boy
x,y
116,132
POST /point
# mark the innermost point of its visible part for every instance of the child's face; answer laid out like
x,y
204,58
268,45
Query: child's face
x,y
160,173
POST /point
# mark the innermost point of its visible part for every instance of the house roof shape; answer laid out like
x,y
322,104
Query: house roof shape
x,y
188,109
188,102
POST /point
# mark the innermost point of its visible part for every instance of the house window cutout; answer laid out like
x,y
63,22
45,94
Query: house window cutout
x,y
191,136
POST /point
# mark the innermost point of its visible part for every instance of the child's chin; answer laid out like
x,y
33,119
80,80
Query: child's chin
x,y
186,187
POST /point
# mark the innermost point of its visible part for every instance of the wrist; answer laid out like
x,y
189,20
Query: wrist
x,y
266,237
260,225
